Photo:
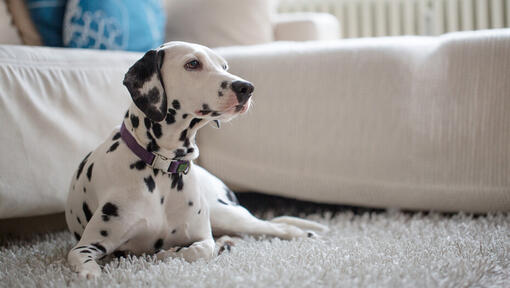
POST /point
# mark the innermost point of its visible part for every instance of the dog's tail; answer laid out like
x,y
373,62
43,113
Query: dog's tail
x,y
301,223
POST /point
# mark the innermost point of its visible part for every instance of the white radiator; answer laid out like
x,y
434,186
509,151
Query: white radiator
x,y
370,18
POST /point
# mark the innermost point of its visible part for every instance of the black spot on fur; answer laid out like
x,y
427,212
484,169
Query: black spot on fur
x,y
177,181
106,218
309,234
150,183
179,153
176,104
153,96
113,147
86,211
116,136
173,231
134,121
104,233
222,202
190,203
193,122
84,190
158,244
139,165
180,184
77,236
156,129
127,114
147,122
199,211
99,246
215,113
155,171
171,111
170,119
231,196
110,209
224,84
205,109
162,200
149,135
190,150
89,171
186,142
152,146
184,116
78,219
94,248
220,93
82,164
183,135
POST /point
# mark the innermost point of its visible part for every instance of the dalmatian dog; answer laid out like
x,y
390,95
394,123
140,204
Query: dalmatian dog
x,y
139,191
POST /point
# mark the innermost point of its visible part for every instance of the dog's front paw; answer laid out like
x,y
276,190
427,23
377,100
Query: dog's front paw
x,y
198,250
89,270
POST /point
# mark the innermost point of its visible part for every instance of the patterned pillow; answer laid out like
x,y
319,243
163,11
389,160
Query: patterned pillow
x,y
135,25
47,16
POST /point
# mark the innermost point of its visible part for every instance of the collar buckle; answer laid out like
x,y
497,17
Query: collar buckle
x,y
169,165
159,161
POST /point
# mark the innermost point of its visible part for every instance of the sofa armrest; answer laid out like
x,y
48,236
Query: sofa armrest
x,y
56,105
306,27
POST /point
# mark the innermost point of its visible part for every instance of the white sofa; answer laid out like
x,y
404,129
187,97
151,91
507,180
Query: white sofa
x,y
409,122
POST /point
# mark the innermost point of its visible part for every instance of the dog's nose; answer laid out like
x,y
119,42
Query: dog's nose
x,y
243,90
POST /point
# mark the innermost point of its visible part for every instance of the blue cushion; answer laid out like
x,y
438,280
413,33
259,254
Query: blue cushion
x,y
135,25
47,16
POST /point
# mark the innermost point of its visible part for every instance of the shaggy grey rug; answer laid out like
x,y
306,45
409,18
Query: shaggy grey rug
x,y
385,249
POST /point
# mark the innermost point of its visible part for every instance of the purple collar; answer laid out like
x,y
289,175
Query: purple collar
x,y
156,161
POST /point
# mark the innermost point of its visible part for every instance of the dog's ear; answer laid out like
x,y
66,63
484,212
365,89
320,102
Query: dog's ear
x,y
144,82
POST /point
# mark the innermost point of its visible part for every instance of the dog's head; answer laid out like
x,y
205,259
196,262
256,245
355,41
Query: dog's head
x,y
186,77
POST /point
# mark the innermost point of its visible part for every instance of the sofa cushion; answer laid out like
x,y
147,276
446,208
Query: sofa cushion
x,y
306,27
134,25
220,22
56,105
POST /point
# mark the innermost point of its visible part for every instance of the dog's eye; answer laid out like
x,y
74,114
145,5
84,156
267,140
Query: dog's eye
x,y
192,65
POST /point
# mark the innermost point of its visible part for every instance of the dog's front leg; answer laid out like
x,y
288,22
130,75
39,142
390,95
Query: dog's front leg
x,y
198,250
103,234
